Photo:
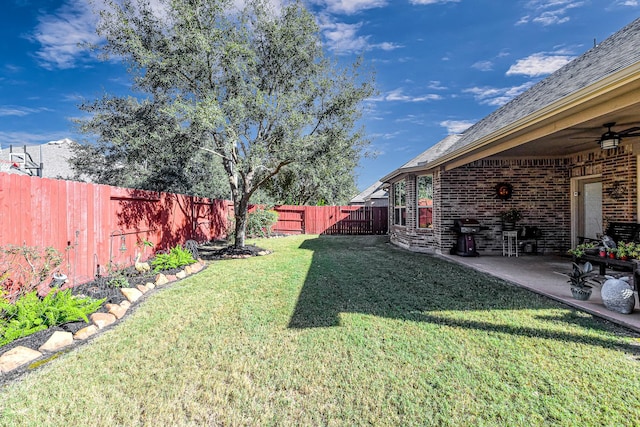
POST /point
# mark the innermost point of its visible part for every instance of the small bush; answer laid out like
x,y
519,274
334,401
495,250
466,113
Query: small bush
x,y
31,314
260,222
23,268
118,281
176,258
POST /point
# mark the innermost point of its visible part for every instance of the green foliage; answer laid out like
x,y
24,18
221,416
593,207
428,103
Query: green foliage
x,y
580,249
261,222
581,277
24,267
118,281
176,258
511,215
250,89
31,314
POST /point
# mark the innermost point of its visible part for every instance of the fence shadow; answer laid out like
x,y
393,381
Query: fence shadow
x,y
169,218
366,275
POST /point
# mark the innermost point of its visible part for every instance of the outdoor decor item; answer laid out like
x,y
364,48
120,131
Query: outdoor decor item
x,y
617,295
509,219
581,281
504,190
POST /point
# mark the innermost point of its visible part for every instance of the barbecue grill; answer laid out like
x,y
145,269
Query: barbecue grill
x,y
466,243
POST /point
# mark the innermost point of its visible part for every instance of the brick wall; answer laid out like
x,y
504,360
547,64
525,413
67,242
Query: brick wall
x,y
541,189
618,169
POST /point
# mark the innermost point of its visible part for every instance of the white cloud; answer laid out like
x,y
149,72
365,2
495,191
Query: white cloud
x,y
497,96
456,126
62,34
632,3
421,2
538,64
28,138
350,7
549,12
343,38
8,110
399,95
483,65
436,85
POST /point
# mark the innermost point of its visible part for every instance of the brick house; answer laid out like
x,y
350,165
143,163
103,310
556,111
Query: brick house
x,y
548,146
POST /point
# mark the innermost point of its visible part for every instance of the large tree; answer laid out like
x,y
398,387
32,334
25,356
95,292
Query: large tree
x,y
140,145
253,87
328,180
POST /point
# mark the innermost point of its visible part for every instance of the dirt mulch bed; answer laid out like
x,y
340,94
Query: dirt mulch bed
x,y
221,250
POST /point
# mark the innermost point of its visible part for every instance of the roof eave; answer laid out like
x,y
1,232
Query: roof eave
x,y
614,81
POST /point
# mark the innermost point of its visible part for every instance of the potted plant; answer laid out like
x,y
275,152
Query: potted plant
x,y
622,251
581,281
634,250
628,250
509,218
584,248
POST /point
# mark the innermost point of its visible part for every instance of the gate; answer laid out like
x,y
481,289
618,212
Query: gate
x,y
363,220
331,220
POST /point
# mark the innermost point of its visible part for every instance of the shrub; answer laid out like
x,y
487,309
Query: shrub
x,y
31,314
260,222
23,268
176,258
118,281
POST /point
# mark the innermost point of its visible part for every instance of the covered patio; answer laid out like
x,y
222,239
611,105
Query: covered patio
x,y
544,274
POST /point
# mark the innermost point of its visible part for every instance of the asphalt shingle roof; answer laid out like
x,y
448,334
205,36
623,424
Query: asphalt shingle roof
x,y
55,158
615,53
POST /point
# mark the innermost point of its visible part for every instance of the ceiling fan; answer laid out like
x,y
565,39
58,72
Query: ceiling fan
x,y
611,139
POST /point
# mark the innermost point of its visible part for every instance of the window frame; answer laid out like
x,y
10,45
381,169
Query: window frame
x,y
400,203
428,208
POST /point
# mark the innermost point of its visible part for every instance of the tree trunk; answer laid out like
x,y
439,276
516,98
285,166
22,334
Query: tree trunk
x,y
241,213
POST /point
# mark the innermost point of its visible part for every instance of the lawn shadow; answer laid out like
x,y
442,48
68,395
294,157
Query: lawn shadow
x,y
369,276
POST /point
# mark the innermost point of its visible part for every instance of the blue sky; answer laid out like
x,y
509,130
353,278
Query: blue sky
x,y
440,65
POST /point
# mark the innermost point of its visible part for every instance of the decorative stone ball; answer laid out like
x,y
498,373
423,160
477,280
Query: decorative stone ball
x,y
617,295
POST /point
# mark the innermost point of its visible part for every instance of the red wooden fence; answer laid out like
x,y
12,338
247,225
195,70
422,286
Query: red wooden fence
x,y
97,225
331,220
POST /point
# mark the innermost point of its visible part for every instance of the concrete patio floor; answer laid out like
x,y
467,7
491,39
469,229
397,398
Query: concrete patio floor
x,y
544,274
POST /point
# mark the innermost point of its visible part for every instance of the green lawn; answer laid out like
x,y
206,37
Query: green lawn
x,y
340,331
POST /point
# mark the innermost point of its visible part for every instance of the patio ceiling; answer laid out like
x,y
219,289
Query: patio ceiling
x,y
573,125
581,137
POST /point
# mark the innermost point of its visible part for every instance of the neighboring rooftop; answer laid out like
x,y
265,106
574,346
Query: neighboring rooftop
x,y
374,191
54,156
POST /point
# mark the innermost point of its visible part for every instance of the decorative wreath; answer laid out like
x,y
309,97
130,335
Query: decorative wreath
x,y
504,190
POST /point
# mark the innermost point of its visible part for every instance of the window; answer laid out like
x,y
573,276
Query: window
x,y
424,195
399,204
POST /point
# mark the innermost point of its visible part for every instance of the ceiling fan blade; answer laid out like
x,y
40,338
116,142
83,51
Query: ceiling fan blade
x,y
628,132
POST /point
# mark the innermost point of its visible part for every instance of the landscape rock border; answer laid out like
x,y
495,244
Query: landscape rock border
x,y
20,358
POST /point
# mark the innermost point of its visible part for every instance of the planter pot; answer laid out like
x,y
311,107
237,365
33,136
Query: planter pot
x,y
612,255
603,254
508,226
581,294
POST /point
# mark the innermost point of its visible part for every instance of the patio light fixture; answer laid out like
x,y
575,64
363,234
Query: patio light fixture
x,y
609,140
